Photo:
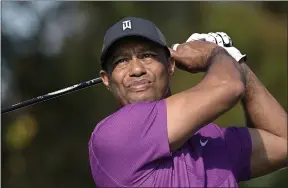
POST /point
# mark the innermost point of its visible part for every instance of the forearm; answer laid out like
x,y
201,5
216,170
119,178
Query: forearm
x,y
220,90
223,68
262,110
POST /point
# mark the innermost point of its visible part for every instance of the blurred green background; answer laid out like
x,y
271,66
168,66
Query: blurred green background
x,y
49,45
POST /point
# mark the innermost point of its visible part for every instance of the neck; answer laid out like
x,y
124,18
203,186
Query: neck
x,y
168,93
119,105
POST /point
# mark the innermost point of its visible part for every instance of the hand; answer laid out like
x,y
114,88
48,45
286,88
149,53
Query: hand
x,y
193,56
221,39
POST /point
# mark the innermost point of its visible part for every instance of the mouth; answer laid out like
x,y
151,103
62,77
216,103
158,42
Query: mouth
x,y
139,85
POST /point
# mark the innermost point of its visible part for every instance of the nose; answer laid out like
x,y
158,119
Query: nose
x,y
137,69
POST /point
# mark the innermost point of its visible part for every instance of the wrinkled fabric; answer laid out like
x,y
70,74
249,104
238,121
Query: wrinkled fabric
x,y
130,148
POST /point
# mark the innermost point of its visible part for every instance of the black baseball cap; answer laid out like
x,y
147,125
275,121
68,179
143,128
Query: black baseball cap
x,y
132,26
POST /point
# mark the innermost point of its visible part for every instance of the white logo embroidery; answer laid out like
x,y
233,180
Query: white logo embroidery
x,y
126,25
203,143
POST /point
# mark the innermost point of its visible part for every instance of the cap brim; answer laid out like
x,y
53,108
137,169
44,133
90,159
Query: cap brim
x,y
110,44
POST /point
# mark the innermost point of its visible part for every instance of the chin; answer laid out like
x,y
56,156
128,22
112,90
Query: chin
x,y
142,97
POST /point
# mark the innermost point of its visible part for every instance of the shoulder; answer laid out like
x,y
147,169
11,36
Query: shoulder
x,y
128,123
136,134
132,114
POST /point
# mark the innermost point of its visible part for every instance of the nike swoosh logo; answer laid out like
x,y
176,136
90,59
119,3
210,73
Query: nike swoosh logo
x,y
203,143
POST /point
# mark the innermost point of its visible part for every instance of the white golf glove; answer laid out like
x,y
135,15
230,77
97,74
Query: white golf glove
x,y
221,39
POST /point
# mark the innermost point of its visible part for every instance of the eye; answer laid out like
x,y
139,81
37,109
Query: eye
x,y
122,60
148,55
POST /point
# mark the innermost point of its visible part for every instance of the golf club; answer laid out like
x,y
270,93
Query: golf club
x,y
52,95
56,93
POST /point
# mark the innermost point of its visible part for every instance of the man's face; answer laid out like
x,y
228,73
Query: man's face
x,y
138,70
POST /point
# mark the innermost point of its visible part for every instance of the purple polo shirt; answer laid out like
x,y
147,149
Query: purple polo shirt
x,y
130,149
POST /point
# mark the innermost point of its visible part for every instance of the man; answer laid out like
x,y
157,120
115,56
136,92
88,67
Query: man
x,y
161,140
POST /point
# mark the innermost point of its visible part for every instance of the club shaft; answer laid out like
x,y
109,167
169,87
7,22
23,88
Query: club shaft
x,y
52,95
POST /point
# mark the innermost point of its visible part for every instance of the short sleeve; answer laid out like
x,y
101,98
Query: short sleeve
x,y
125,147
239,146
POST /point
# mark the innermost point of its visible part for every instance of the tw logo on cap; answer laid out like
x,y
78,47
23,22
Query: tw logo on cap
x,y
126,25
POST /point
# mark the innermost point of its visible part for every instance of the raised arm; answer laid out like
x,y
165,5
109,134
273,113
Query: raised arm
x,y
220,89
268,123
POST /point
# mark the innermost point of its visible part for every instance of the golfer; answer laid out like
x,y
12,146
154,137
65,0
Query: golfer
x,y
156,139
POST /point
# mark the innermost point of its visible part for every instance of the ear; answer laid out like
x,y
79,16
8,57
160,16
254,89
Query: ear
x,y
171,67
105,78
